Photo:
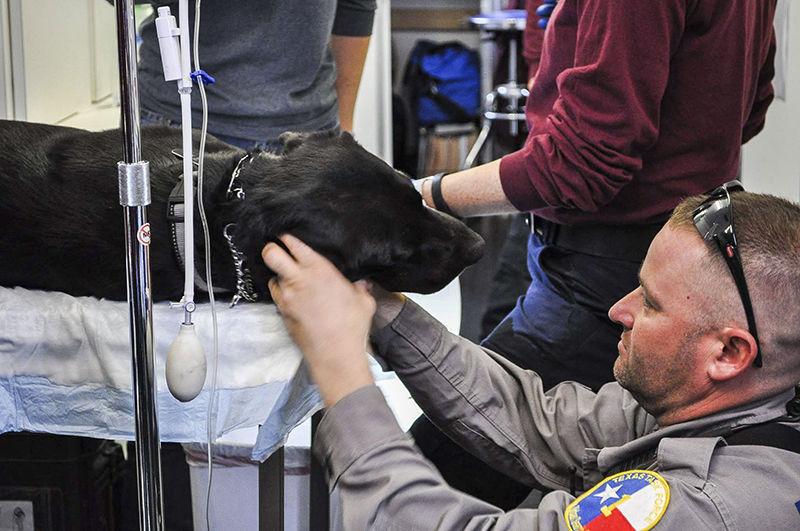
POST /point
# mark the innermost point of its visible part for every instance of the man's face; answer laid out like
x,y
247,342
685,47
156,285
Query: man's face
x,y
658,352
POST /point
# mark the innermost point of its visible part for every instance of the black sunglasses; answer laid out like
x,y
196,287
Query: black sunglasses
x,y
714,220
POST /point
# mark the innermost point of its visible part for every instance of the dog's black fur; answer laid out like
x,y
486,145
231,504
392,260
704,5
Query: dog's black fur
x,y
63,230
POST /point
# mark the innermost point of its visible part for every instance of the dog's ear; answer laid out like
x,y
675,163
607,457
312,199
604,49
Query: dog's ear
x,y
291,140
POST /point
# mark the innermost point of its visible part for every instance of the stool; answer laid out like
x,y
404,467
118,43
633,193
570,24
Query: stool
x,y
443,147
506,102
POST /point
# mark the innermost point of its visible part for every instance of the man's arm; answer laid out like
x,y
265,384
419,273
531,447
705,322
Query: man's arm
x,y
491,407
497,411
473,192
349,54
764,95
384,482
604,120
478,191
350,37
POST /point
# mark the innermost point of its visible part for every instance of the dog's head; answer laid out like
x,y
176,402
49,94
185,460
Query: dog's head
x,y
354,209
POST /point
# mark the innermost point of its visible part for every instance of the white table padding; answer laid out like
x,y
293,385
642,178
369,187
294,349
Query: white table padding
x,y
65,368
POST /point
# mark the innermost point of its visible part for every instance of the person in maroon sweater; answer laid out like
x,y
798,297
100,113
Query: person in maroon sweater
x,y
636,105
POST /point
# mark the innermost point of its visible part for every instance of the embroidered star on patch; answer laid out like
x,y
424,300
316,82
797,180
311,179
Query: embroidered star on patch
x,y
608,493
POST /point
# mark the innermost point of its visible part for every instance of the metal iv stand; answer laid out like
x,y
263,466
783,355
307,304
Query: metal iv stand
x,y
134,196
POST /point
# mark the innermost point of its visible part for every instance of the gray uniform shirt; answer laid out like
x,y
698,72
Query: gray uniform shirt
x,y
271,60
567,436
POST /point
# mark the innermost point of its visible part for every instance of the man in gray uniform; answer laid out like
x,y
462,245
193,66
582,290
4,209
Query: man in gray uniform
x,y
666,445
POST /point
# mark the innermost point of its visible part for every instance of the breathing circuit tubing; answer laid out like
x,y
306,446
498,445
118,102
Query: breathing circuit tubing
x,y
187,346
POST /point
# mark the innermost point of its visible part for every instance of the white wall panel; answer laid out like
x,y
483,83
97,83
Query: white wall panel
x,y
771,161
372,120
104,50
51,57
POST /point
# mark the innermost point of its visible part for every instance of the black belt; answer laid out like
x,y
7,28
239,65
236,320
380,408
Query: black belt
x,y
625,242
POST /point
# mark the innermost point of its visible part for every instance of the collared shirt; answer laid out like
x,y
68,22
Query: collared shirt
x,y
566,436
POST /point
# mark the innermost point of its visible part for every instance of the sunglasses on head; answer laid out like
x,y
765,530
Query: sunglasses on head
x,y
714,220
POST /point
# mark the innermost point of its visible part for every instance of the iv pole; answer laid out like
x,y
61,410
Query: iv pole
x,y
134,196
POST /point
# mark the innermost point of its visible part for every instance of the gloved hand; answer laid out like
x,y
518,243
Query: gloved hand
x,y
544,11
418,185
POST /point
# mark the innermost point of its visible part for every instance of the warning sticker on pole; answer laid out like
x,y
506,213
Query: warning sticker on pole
x,y
143,234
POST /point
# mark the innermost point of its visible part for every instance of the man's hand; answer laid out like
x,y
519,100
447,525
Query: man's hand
x,y
327,316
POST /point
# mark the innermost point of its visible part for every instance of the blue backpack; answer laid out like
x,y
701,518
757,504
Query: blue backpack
x,y
443,82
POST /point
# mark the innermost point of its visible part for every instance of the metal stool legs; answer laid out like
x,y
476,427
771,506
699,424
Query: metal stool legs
x,y
472,156
506,101
510,92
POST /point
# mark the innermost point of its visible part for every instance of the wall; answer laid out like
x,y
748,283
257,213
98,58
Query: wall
x,y
372,120
105,70
771,161
56,58
6,92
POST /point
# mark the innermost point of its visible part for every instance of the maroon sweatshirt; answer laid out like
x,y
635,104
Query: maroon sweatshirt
x,y
532,38
640,103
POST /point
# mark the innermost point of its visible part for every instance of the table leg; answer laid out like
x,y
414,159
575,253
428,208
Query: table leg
x,y
319,499
270,492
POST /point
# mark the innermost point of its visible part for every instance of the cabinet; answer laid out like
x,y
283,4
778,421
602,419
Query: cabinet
x,y
59,57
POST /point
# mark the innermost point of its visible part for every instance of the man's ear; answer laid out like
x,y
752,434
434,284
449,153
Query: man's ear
x,y
733,353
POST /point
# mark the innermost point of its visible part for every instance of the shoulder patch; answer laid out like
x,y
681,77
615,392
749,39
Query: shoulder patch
x,y
634,500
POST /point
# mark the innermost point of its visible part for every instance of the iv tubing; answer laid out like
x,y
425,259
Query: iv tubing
x,y
185,90
210,413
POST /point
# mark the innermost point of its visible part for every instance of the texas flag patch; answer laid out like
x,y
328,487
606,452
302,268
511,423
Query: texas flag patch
x,y
634,500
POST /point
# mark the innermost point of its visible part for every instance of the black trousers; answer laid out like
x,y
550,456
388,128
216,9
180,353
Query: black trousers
x,y
511,278
560,329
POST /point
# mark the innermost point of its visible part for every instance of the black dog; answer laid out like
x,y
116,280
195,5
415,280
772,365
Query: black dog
x,y
62,225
